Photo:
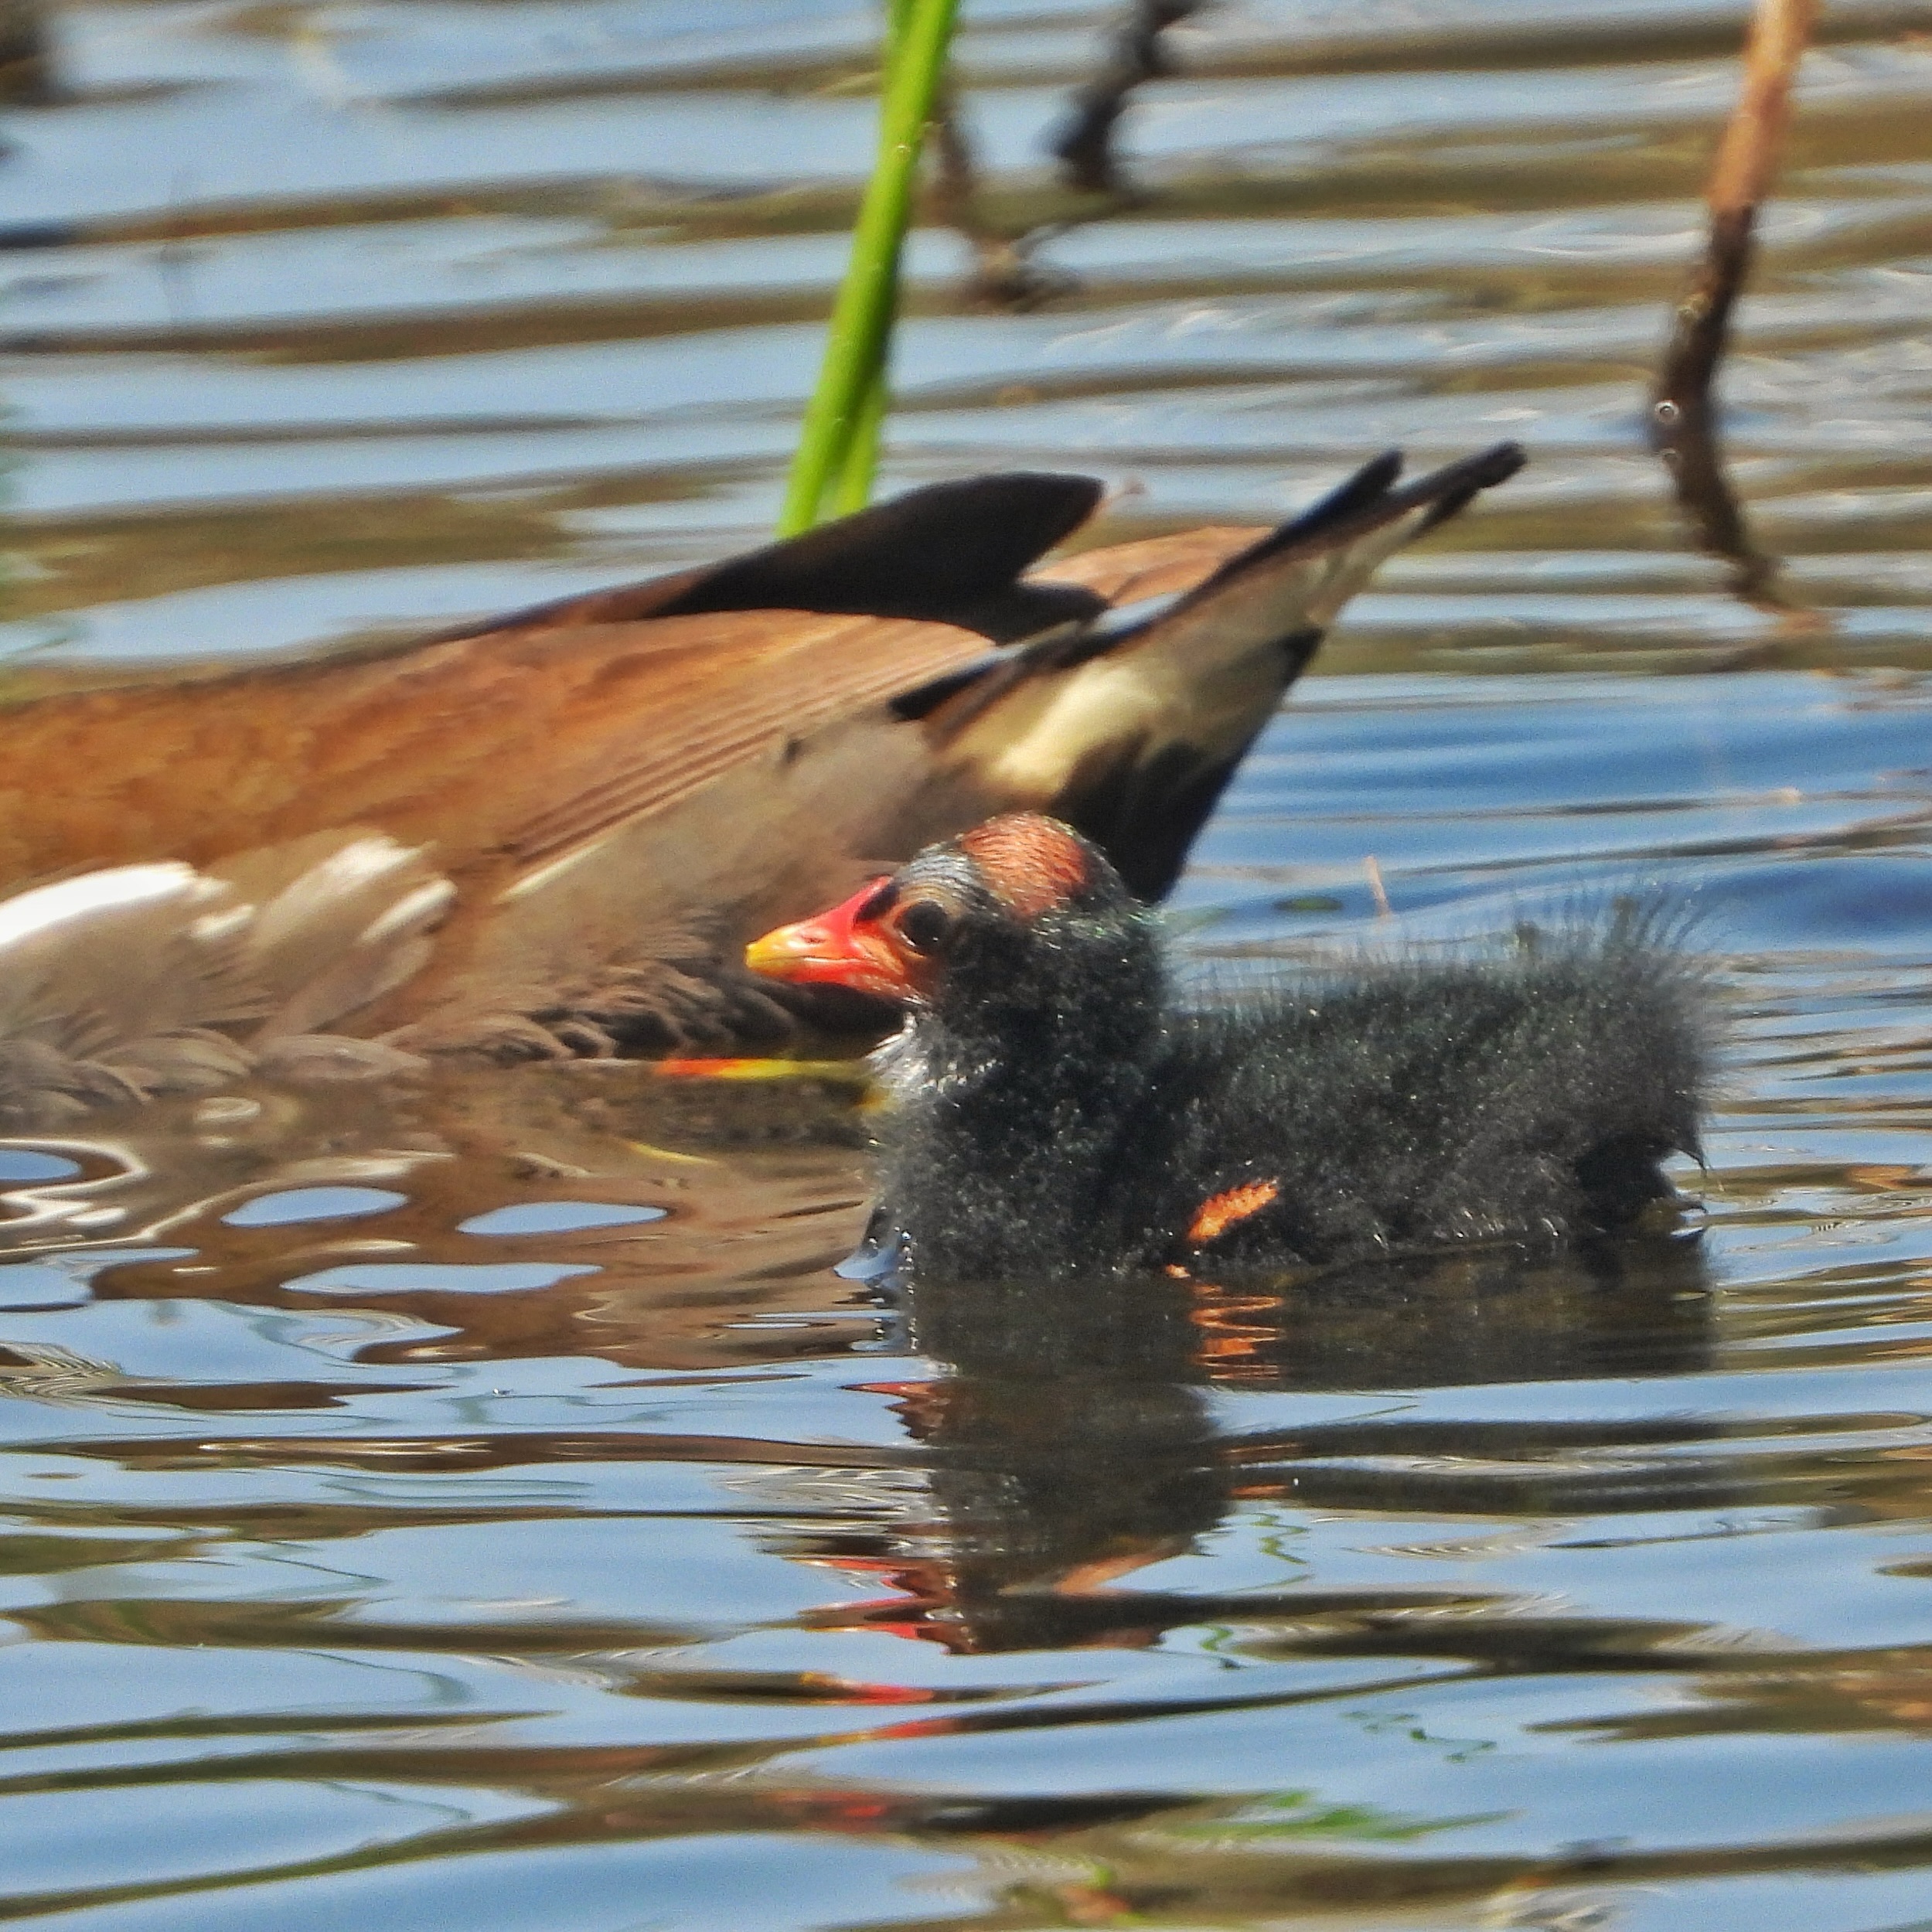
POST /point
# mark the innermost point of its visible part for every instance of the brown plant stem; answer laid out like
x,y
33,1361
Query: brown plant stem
x,y
1085,144
1004,274
26,54
1683,421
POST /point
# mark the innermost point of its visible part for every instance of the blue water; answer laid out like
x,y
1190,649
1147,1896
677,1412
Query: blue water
x,y
482,1505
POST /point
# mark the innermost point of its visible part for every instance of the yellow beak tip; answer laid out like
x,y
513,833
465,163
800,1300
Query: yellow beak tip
x,y
776,954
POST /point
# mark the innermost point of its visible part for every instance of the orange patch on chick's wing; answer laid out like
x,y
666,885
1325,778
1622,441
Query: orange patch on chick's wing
x,y
1219,1212
1031,863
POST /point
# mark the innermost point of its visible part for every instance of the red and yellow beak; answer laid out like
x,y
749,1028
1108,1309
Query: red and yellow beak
x,y
836,948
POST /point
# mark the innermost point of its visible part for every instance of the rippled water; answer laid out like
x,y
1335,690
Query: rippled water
x,y
482,1506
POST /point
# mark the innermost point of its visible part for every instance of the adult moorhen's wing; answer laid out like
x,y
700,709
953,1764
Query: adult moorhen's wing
x,y
630,898
622,788
1131,735
951,553
462,738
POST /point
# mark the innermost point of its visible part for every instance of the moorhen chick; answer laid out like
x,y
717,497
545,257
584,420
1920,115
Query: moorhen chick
x,y
1053,1111
621,788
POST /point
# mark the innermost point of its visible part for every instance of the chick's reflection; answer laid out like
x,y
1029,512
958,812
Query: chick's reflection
x,y
1076,1438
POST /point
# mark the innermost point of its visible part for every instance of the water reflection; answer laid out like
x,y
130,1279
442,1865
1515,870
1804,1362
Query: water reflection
x,y
1317,1563
1073,1441
1047,1456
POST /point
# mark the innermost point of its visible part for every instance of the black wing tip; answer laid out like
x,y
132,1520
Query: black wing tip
x,y
1483,471
1365,490
1065,486
1378,474
950,552
1501,461
1371,498
1457,484
1374,482
1049,505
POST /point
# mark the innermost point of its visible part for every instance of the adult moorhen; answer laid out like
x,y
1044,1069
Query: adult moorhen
x,y
1054,1113
621,788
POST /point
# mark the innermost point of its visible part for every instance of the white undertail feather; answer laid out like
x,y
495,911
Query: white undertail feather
x,y
144,978
338,919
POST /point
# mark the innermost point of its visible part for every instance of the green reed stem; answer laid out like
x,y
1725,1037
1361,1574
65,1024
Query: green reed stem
x,y
838,447
852,488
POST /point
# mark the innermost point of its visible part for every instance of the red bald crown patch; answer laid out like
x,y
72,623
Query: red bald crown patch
x,y
1031,864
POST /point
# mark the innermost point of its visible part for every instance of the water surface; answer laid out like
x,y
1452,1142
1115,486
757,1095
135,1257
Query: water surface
x,y
481,1505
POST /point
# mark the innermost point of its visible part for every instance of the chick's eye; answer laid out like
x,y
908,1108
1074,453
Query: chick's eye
x,y
923,925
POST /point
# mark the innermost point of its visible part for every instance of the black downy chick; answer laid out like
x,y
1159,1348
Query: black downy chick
x,y
1054,1112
